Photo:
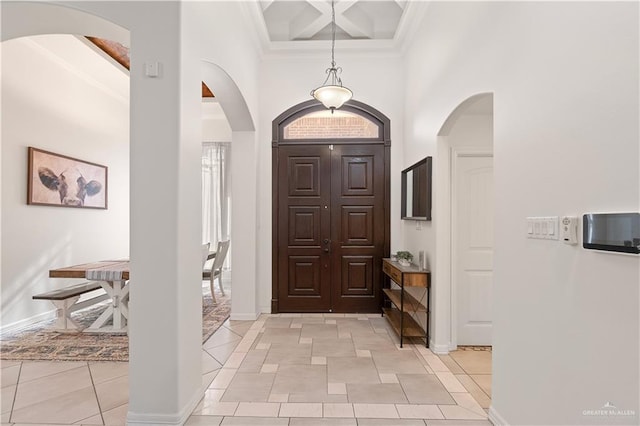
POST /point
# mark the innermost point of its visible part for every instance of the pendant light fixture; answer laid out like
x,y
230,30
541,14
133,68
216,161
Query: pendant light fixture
x,y
332,93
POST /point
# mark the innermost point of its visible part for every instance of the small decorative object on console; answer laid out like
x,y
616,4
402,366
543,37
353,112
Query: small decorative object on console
x,y
404,258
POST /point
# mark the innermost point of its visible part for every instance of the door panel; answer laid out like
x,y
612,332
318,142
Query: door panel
x,y
331,224
357,227
304,222
473,262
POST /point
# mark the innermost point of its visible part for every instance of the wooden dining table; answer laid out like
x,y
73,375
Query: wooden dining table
x,y
113,276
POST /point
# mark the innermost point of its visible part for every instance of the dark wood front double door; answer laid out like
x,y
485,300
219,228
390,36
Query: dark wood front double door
x,y
332,227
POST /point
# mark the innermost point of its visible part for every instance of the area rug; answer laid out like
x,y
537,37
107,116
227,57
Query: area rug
x,y
38,342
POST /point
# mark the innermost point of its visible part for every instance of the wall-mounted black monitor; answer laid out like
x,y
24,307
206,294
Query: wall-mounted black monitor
x,y
416,191
611,232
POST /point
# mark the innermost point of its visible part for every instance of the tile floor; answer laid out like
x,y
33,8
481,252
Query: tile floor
x,y
288,369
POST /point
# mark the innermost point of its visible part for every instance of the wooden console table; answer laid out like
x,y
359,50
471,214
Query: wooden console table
x,y
402,304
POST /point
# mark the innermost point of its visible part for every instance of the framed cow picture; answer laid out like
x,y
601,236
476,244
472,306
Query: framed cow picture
x,y
58,180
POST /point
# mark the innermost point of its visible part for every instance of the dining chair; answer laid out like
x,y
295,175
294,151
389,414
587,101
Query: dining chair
x,y
216,268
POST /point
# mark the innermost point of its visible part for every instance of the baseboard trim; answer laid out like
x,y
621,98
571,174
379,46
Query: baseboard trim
x,y
439,349
250,316
18,325
496,418
179,419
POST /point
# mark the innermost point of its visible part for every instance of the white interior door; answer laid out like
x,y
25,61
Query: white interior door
x,y
473,247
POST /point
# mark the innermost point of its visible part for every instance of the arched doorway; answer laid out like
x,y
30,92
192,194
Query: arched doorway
x,y
465,245
330,208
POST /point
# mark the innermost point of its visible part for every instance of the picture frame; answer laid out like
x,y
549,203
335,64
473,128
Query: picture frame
x,y
62,181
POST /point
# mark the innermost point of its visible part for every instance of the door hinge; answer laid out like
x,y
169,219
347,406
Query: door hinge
x,y
330,147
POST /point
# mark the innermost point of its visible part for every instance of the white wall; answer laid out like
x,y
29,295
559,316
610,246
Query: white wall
x,y
565,84
55,103
375,79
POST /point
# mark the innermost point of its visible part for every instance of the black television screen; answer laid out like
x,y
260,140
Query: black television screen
x,y
611,232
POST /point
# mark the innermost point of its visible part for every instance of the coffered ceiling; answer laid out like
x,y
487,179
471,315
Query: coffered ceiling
x,y
300,24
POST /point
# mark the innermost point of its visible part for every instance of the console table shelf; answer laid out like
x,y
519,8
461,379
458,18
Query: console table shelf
x,y
399,304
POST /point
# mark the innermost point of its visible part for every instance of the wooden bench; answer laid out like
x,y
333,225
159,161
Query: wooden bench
x,y
66,301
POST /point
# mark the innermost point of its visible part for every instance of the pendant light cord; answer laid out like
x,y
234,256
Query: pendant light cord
x,y
333,34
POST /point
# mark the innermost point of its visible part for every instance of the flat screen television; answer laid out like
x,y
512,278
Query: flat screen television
x,y
618,232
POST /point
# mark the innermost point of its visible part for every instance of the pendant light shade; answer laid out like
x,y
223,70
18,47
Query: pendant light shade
x,y
332,96
332,93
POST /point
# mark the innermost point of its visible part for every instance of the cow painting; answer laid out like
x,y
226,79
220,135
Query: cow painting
x,y
58,180
72,193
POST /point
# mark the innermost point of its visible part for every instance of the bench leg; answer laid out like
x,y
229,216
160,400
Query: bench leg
x,y
63,314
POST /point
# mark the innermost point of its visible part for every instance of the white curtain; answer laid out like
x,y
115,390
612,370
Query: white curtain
x,y
216,194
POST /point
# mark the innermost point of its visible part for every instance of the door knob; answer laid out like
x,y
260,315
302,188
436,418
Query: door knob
x,y
326,241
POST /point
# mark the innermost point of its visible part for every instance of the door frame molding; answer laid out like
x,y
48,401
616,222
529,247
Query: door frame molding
x,y
456,153
304,108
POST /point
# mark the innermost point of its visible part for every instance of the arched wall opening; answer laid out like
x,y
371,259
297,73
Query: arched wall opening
x,y
244,203
466,133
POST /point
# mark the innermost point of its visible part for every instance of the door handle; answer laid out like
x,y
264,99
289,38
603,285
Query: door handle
x,y
327,248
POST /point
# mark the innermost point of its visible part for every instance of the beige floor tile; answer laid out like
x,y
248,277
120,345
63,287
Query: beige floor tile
x,y
32,370
4,363
473,362
52,386
9,375
289,409
253,361
209,363
467,401
67,408
248,341
295,379
278,397
388,378
373,341
288,354
269,368
317,396
352,370
456,412
280,335
239,327
375,411
377,393
204,421
330,321
4,418
451,364
258,421
337,410
333,347
116,416
222,336
250,387
103,371
424,389
390,422
337,388
223,378
219,409
296,325
363,353
305,340
399,362
450,382
212,395
419,411
7,395
235,360
222,352
472,387
94,420
318,360
113,393
322,422
263,346
319,331
484,381
207,378
277,322
258,409
459,423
